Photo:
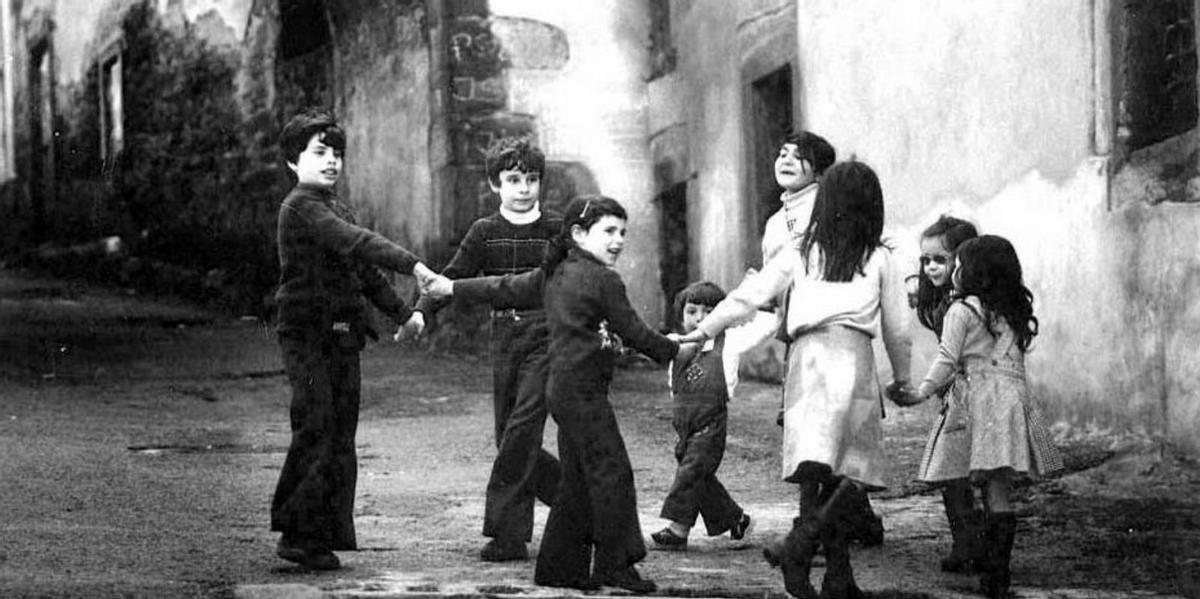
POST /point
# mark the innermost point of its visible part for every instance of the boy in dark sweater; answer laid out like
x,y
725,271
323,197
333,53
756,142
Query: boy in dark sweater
x,y
328,264
512,241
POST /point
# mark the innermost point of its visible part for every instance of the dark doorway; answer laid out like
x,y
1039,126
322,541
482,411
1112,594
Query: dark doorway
x,y
41,127
304,58
770,116
673,253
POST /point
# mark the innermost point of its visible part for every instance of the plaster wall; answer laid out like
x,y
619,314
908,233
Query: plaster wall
x,y
82,27
384,105
593,110
987,111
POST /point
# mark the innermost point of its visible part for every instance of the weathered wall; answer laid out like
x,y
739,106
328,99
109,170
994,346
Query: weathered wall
x,y
382,72
592,111
988,111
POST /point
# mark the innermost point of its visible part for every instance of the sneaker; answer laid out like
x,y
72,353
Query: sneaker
x,y
627,579
742,528
498,550
667,539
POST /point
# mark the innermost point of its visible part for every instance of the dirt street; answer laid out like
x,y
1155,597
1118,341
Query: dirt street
x,y
140,441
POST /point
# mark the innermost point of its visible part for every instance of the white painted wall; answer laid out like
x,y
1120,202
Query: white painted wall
x,y
594,111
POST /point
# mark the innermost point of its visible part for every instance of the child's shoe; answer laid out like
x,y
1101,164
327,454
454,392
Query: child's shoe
x,y
667,539
500,550
741,528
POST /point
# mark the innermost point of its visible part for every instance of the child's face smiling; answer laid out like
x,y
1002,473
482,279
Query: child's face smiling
x,y
692,315
936,261
604,240
518,190
792,172
318,164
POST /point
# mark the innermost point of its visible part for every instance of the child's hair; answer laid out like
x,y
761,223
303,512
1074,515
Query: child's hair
x,y
813,148
702,293
847,221
513,153
989,269
931,299
301,128
583,211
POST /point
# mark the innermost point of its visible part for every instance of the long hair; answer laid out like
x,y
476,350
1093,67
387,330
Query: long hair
x,y
847,221
989,269
932,301
583,211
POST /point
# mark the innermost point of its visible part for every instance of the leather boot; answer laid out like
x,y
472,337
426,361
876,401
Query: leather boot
x,y
966,530
839,575
995,571
794,556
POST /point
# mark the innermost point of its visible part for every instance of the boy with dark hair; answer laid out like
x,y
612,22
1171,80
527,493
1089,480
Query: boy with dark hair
x,y
327,265
513,240
702,378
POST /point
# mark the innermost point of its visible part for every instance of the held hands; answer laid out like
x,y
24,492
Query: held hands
x,y
696,336
431,283
438,287
901,394
411,329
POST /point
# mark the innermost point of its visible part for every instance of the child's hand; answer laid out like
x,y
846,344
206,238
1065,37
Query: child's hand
x,y
437,287
902,395
411,329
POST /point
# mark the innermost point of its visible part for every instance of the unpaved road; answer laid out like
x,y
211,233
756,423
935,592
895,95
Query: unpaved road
x,y
140,441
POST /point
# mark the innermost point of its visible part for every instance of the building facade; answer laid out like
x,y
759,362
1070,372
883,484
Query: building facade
x,y
1067,126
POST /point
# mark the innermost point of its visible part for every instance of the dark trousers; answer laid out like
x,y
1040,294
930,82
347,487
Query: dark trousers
x,y
522,471
596,507
314,498
696,491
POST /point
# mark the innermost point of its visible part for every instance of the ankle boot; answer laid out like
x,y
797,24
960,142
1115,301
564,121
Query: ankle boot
x,y
794,556
839,575
966,531
995,571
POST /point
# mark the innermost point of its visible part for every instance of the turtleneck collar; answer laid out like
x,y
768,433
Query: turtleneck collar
x,y
521,218
792,199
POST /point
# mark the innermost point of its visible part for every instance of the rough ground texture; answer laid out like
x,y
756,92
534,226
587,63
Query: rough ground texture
x,y
140,440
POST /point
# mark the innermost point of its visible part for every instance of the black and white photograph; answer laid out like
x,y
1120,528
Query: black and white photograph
x,y
504,299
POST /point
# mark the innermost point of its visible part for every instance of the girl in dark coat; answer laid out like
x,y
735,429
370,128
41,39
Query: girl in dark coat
x,y
592,537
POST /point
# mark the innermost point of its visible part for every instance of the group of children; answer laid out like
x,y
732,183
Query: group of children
x,y
561,317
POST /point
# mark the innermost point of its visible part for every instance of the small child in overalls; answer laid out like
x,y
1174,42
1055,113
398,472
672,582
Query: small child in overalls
x,y
702,380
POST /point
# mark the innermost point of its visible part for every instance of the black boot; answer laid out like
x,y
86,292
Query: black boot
x,y
966,530
864,526
794,556
995,572
839,575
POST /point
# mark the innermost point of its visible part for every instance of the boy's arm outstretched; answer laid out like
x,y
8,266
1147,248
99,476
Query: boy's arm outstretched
x,y
359,242
467,262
